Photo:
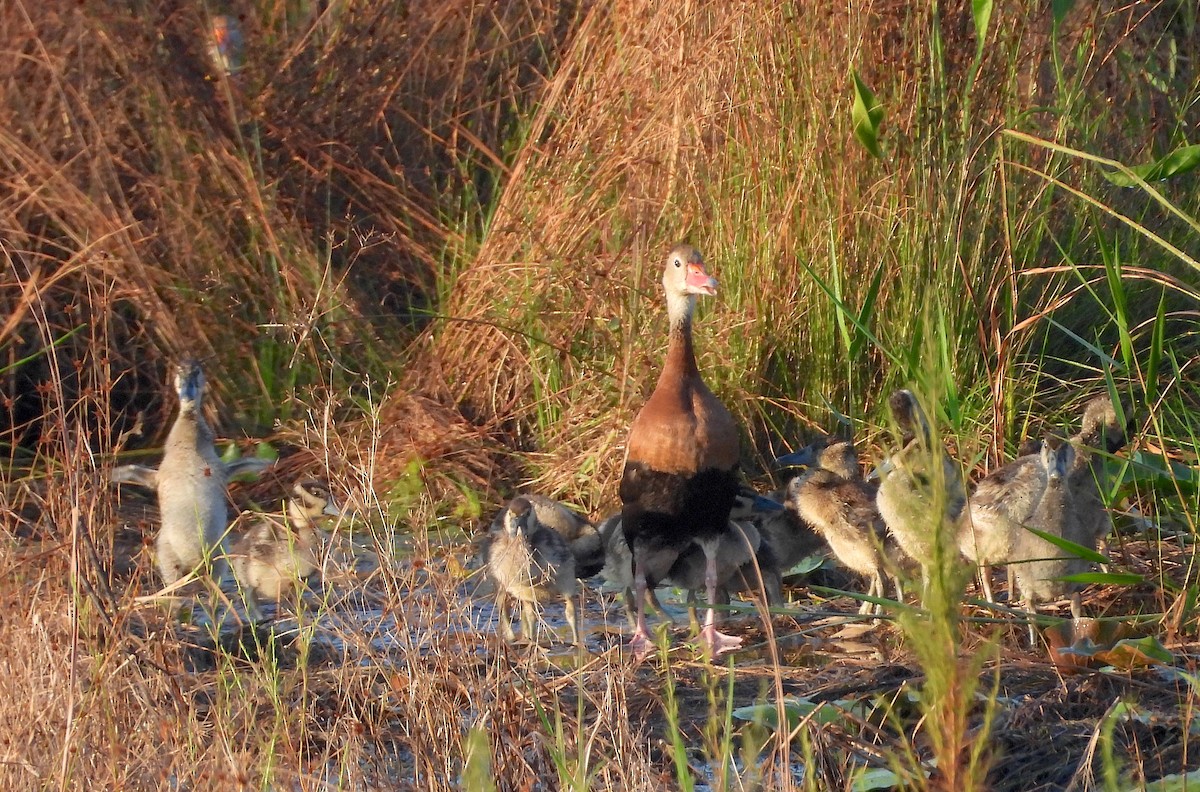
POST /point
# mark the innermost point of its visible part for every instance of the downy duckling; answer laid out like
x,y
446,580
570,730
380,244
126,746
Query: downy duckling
x,y
618,569
997,511
1037,563
834,499
786,535
921,485
147,477
276,556
531,563
1101,430
742,556
191,489
579,532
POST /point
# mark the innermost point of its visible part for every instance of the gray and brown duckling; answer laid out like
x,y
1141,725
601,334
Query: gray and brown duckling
x,y
921,492
743,556
191,489
1102,431
531,563
833,498
786,536
997,512
618,570
579,532
1039,565
278,556
745,560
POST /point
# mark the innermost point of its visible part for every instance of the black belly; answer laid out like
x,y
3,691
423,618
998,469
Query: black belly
x,y
661,510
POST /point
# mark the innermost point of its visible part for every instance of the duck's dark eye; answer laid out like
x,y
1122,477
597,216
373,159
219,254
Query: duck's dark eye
x,y
678,263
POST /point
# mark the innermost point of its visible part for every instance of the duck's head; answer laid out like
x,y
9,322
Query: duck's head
x,y
189,384
831,453
684,278
909,417
517,516
1057,458
1101,426
314,499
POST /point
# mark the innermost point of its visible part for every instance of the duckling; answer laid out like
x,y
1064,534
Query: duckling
x,y
531,563
916,490
191,489
997,511
834,499
580,534
742,556
787,537
276,556
618,569
147,477
1101,429
1040,565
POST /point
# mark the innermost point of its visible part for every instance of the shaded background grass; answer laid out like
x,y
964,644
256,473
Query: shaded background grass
x,y
426,243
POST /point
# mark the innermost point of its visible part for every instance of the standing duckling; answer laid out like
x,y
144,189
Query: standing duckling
x,y
1002,503
580,534
789,537
921,485
191,489
1101,430
531,563
681,459
618,569
275,557
743,556
1038,564
834,499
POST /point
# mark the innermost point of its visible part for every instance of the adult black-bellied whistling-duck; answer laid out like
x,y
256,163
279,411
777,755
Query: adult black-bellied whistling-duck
x,y
681,459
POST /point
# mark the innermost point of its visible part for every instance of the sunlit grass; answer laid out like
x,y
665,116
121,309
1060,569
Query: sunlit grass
x,y
440,276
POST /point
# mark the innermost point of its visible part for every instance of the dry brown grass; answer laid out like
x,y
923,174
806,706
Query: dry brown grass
x,y
729,125
294,225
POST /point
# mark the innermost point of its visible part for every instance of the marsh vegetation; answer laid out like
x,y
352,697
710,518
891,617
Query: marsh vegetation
x,y
418,252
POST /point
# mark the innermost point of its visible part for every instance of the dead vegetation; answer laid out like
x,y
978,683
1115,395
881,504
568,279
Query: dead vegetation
x,y
422,247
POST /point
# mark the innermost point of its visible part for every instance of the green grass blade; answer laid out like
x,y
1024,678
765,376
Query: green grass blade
x,y
1066,545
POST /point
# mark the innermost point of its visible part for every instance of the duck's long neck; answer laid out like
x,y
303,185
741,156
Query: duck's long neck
x,y
681,355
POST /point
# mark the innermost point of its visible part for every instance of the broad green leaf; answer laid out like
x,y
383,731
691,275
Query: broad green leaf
x,y
1078,550
1170,783
796,709
867,114
1132,653
806,565
1179,161
875,778
981,11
